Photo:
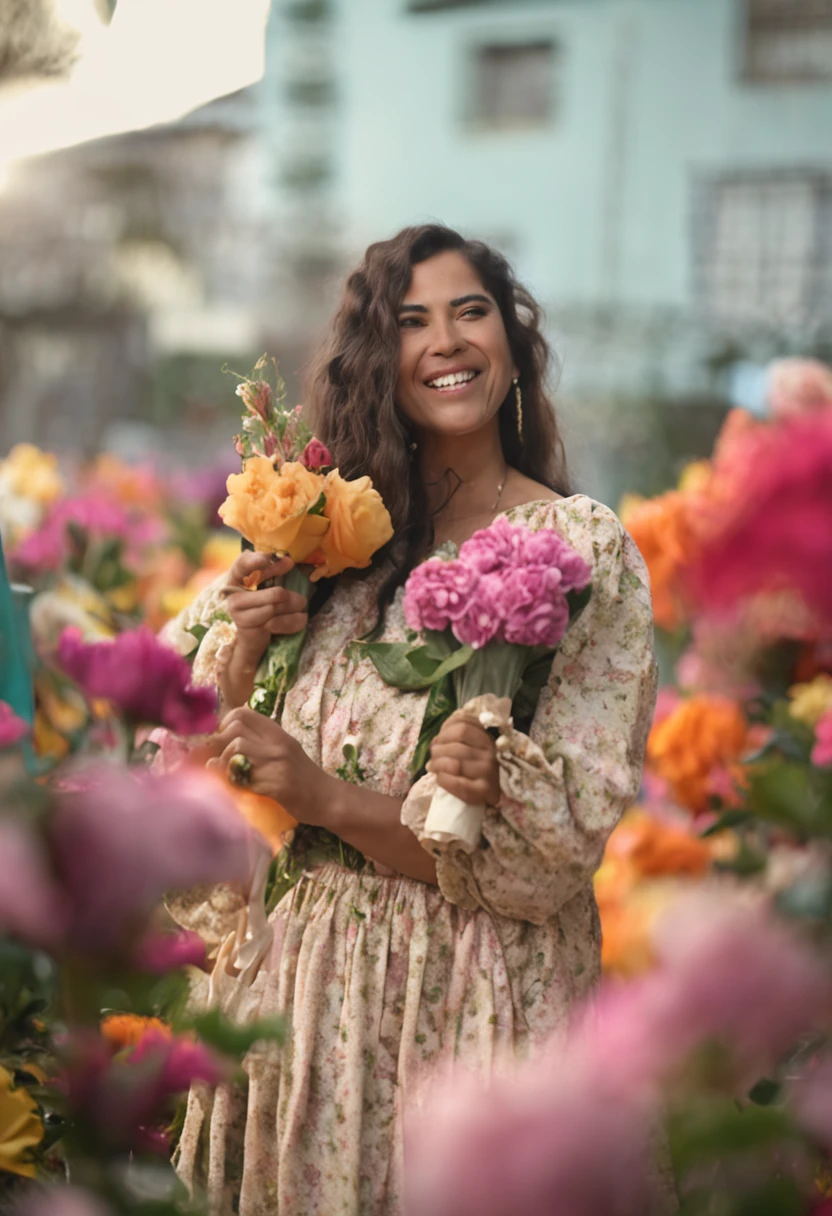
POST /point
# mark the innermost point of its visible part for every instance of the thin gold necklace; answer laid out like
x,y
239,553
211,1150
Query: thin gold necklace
x,y
500,487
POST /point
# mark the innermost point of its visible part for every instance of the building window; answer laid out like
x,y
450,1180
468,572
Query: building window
x,y
513,85
762,256
788,41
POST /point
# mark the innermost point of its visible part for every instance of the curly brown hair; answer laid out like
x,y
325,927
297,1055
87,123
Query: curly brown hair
x,y
352,381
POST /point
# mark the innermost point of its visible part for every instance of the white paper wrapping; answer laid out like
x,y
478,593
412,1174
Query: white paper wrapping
x,y
450,821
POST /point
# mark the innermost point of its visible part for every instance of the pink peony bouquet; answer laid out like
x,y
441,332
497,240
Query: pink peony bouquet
x,y
490,621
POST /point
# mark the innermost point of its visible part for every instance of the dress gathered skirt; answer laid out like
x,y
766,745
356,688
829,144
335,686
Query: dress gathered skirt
x,y
388,984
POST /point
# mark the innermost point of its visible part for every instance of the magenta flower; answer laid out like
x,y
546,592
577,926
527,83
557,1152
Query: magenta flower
x,y
149,682
536,610
822,751
547,550
159,953
256,395
62,1201
494,549
32,906
483,616
181,1062
128,837
315,456
438,593
798,386
12,728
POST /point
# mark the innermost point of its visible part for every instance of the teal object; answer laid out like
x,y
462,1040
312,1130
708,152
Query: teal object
x,y
16,656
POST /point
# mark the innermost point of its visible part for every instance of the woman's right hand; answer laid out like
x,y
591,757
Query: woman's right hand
x,y
259,615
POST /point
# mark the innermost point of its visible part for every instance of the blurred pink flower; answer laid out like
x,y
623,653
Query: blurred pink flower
x,y
31,905
315,456
437,593
798,386
61,1201
12,728
147,680
123,1098
770,524
159,953
128,837
822,751
256,396
812,1099
98,516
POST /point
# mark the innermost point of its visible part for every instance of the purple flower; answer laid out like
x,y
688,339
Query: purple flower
x,y
149,682
159,953
31,905
95,514
483,616
180,1062
127,837
437,593
536,610
12,728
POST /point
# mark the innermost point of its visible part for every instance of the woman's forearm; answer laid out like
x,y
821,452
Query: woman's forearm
x,y
372,824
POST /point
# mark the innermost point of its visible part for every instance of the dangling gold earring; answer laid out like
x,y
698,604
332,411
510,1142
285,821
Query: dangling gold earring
x,y
519,398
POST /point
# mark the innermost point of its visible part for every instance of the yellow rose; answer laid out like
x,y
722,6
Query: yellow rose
x,y
809,702
32,473
270,507
20,1128
359,525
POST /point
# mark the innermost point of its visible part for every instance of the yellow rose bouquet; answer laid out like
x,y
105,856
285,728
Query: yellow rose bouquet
x,y
289,500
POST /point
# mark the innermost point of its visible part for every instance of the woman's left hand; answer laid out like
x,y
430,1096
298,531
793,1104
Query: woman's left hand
x,y
463,759
280,768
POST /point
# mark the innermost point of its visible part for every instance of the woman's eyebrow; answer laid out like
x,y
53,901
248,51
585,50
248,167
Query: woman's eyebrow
x,y
457,303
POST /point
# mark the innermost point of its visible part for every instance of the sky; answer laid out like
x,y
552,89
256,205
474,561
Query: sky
x,y
157,60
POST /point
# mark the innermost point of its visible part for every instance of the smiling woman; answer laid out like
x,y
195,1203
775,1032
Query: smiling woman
x,y
392,965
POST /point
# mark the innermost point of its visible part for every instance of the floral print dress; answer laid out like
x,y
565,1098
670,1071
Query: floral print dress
x,y
387,982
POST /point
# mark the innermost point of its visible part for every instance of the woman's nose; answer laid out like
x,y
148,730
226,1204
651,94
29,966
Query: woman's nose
x,y
446,339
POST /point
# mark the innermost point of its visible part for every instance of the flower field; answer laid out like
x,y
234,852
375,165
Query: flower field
x,y
715,892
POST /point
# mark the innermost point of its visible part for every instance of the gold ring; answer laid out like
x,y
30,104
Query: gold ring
x,y
239,769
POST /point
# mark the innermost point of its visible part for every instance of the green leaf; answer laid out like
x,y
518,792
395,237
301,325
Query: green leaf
x,y
318,507
792,795
217,1031
731,819
391,661
440,705
432,671
708,1131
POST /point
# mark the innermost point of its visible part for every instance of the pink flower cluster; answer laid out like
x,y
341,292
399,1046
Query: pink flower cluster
x,y
12,728
116,843
97,515
315,456
572,1132
148,681
508,584
772,518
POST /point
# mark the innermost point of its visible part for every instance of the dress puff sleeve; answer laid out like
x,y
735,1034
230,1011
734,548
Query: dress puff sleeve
x,y
565,785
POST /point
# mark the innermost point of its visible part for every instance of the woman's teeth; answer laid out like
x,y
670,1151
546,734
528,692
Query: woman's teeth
x,y
451,381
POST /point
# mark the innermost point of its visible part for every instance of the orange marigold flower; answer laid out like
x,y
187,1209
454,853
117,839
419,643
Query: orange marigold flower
x,y
663,530
702,735
126,1029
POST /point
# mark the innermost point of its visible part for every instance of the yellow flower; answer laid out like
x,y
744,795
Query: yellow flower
x,y
809,702
21,1128
32,474
220,552
695,477
270,507
359,525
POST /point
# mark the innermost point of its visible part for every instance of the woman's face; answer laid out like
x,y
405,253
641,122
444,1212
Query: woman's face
x,y
455,366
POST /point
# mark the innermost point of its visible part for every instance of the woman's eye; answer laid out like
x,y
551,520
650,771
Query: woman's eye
x,y
408,322
474,312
